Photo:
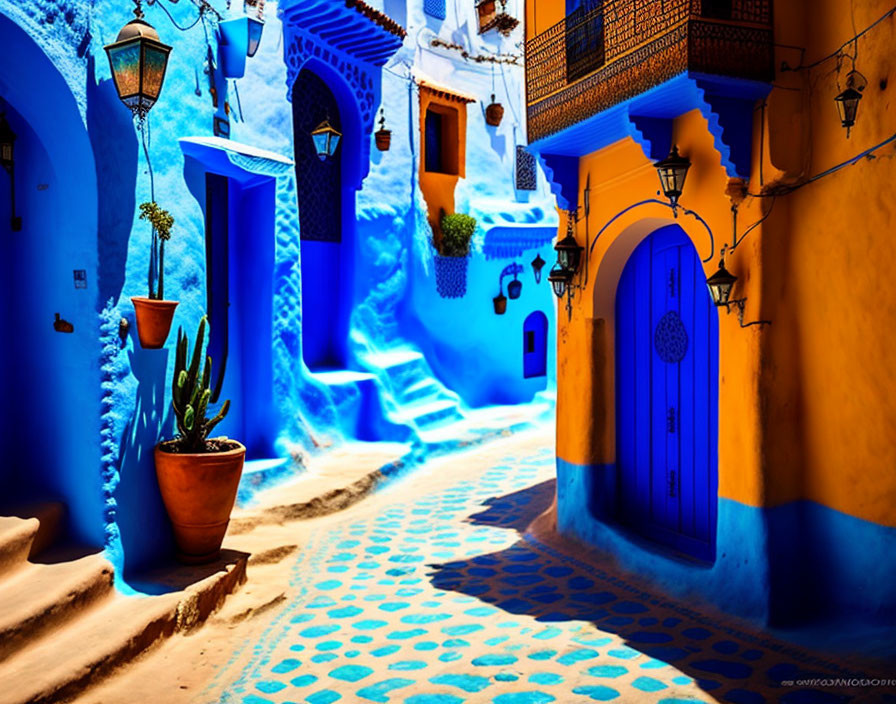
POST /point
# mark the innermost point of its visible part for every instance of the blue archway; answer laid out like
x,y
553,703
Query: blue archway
x,y
49,377
326,218
667,396
535,345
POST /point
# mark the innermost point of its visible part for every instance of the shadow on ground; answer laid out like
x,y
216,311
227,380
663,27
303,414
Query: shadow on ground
x,y
730,663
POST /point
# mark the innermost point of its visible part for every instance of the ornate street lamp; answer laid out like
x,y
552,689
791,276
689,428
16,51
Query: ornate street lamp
x,y
848,101
559,279
8,162
673,170
569,252
537,265
326,139
138,60
720,285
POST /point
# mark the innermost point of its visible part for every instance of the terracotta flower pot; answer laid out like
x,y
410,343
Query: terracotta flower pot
x,y
494,113
153,321
199,491
383,140
500,303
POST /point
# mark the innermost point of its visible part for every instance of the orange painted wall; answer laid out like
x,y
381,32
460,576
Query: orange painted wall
x,y
808,405
438,188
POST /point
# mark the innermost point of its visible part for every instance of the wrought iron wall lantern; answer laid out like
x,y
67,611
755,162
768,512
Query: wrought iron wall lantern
x,y
326,139
848,101
720,285
569,259
8,162
673,171
138,60
537,265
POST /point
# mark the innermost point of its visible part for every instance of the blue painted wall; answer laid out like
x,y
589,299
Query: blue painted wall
x,y
783,565
396,351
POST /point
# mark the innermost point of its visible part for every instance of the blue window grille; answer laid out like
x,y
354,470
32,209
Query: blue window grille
x,y
434,8
526,179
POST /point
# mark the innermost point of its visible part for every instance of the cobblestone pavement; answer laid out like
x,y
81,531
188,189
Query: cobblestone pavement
x,y
431,593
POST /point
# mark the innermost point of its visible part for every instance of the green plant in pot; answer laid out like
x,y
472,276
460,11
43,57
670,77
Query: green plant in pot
x,y
453,247
154,313
198,475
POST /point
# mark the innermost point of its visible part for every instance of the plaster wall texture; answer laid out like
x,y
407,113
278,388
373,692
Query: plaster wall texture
x,y
806,409
401,334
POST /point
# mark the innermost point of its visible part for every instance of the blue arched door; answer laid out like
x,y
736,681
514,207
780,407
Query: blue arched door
x,y
667,395
535,345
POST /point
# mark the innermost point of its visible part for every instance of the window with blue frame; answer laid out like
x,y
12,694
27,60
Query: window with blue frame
x,y
434,8
584,38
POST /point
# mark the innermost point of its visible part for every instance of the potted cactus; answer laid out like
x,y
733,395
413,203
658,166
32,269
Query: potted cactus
x,y
154,313
198,476
451,261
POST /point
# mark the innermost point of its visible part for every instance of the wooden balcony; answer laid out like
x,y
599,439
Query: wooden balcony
x,y
594,60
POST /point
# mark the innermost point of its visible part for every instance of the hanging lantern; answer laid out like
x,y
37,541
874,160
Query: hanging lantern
x,y
720,285
138,60
326,139
560,279
848,106
537,265
673,171
256,28
569,252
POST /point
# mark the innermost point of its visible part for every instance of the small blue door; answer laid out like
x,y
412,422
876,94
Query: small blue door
x,y
535,345
667,395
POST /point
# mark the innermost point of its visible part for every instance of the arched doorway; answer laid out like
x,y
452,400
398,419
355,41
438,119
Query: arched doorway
x,y
667,396
535,345
49,374
325,260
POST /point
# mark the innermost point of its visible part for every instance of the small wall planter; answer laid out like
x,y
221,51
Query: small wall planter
x,y
383,140
153,321
514,288
451,276
199,491
494,113
500,303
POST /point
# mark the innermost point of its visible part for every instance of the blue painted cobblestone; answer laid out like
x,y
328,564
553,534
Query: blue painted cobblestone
x,y
439,599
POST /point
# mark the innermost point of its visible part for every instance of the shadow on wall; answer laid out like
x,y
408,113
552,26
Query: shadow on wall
x,y
145,532
115,147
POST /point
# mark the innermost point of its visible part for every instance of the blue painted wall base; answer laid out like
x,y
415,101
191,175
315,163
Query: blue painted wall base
x,y
783,566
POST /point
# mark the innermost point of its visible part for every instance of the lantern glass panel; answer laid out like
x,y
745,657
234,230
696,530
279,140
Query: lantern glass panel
x,y
256,27
125,63
321,144
333,142
155,60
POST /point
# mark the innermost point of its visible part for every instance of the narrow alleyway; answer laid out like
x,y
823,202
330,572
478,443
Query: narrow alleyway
x,y
430,592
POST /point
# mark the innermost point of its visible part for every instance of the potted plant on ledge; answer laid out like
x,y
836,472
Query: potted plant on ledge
x,y
451,261
198,476
154,313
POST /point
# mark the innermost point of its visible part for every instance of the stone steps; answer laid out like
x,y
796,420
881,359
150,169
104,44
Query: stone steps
x,y
41,597
27,533
63,625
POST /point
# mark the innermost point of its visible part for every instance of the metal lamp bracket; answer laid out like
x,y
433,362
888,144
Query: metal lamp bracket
x,y
740,304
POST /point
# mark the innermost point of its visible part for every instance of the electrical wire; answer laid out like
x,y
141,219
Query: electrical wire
x,y
843,46
161,4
